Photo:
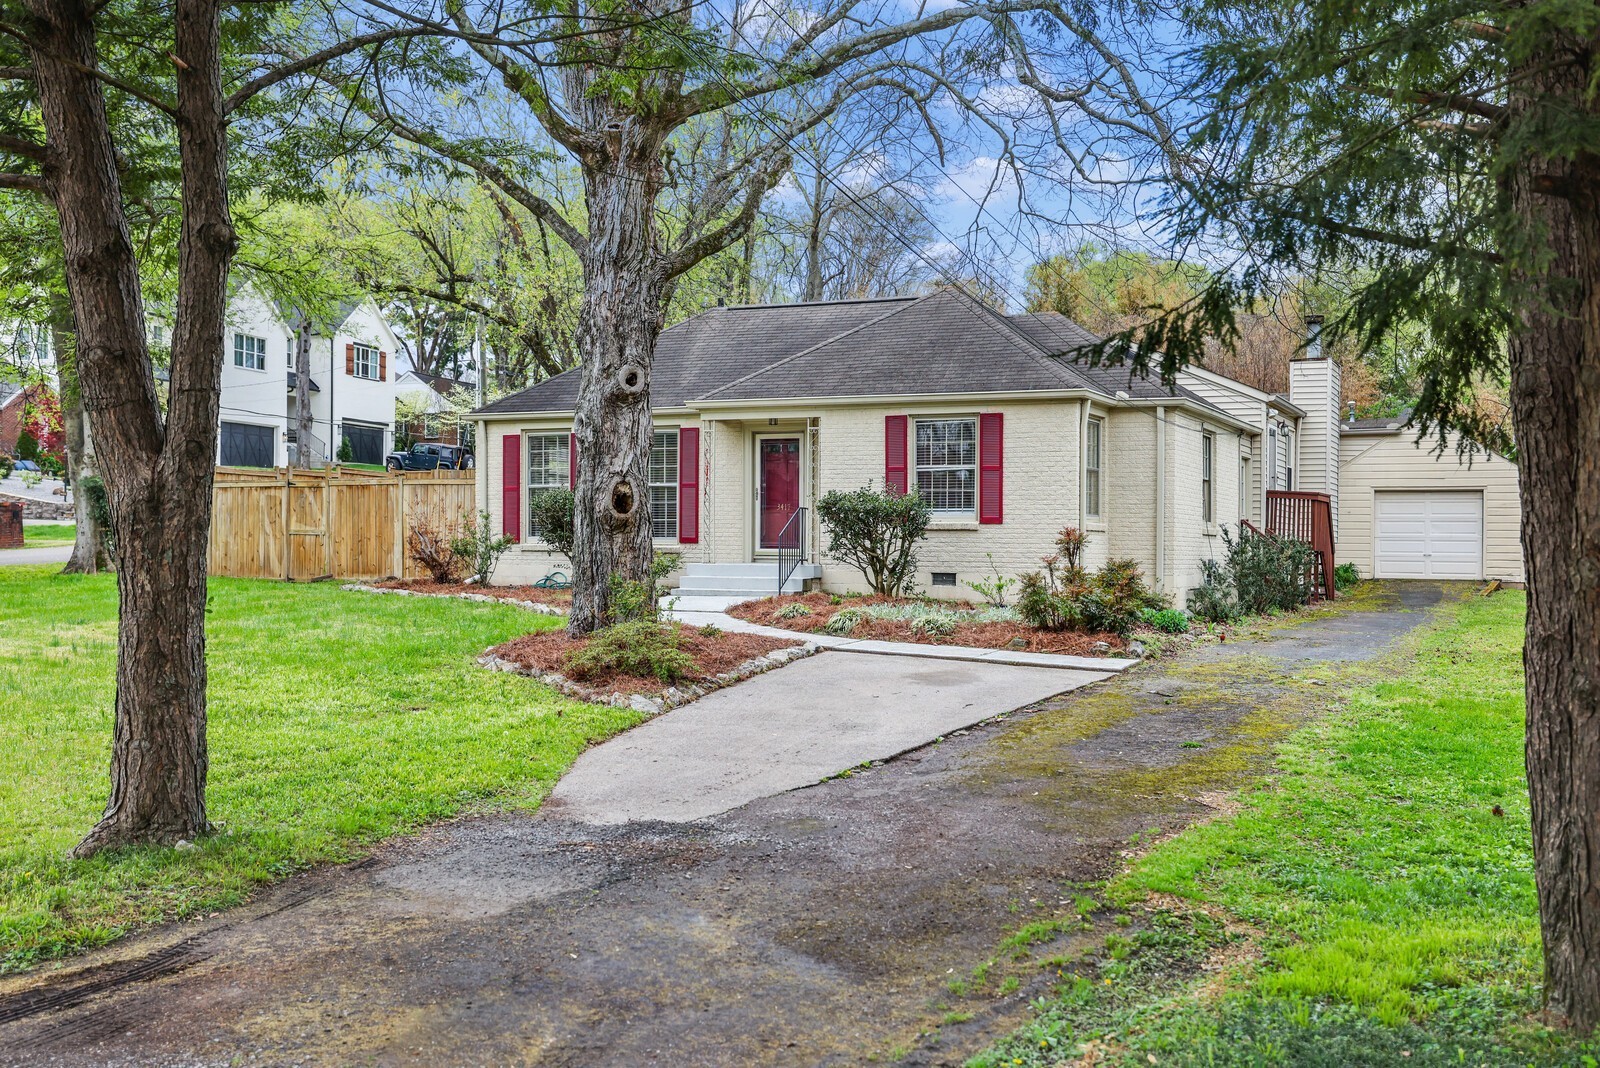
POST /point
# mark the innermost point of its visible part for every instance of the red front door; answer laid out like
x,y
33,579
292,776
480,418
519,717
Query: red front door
x,y
780,486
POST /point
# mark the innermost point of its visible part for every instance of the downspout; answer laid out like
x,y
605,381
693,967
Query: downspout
x,y
333,446
1083,459
1161,499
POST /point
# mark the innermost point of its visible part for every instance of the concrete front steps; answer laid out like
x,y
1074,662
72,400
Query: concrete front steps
x,y
732,583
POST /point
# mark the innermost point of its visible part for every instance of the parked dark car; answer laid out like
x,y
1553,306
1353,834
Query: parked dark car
x,y
426,456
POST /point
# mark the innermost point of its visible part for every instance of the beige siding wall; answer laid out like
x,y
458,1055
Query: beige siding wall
x,y
1189,538
1371,464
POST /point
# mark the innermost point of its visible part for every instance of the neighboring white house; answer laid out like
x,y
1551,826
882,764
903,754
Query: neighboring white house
x,y
435,406
761,409
353,386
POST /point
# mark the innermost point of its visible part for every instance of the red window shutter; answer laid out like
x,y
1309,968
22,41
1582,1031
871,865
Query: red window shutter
x,y
511,488
350,357
383,366
572,461
991,467
894,453
689,484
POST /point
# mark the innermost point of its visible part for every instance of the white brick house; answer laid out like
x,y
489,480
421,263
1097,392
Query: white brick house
x,y
761,409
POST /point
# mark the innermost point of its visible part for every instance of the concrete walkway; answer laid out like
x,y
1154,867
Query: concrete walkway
x,y
701,611
791,728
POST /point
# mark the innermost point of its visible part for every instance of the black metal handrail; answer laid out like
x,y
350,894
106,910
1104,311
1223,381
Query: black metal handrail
x,y
791,547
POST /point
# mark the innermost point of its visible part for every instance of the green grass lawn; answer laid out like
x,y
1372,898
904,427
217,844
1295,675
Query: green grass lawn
x,y
336,719
1367,906
43,535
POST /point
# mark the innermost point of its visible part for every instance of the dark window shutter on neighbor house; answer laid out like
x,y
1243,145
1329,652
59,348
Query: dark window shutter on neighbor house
x,y
894,453
350,357
511,488
383,366
572,461
991,467
689,484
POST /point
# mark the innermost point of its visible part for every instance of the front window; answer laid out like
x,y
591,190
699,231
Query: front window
x,y
1244,487
366,361
664,485
1208,449
548,468
250,352
947,465
1091,468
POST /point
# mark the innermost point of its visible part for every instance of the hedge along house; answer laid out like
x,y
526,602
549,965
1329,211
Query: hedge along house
x,y
762,409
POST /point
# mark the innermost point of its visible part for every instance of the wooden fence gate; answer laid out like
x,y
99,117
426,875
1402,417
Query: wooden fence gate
x,y
333,523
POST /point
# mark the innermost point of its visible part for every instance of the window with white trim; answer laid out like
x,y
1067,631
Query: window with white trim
x,y
947,466
1244,487
663,476
250,351
1208,451
549,467
1093,436
366,361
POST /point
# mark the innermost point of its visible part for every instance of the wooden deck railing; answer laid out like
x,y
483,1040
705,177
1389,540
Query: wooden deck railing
x,y
1306,517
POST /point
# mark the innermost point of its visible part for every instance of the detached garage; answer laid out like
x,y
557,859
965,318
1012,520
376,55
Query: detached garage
x,y
1406,512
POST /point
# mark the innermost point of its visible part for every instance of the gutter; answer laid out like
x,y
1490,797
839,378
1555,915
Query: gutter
x,y
1161,498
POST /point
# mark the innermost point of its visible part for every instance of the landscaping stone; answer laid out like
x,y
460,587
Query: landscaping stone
x,y
531,606
672,697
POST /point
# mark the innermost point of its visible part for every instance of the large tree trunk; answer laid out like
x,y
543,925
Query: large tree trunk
x,y
624,294
1555,394
157,476
89,541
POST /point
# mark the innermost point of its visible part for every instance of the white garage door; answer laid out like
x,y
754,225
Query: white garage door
x,y
1428,535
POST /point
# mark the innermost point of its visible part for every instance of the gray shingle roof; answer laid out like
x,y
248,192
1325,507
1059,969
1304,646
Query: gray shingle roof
x,y
944,342
1378,424
714,348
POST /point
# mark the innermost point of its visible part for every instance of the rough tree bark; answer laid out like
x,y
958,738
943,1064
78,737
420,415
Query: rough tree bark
x,y
1555,396
155,472
625,290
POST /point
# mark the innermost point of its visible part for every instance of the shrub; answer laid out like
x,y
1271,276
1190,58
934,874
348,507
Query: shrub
x,y
1269,572
793,611
480,548
1167,620
1070,544
431,542
876,533
550,512
843,622
1345,576
934,626
94,487
7,465
1044,600
711,630
345,453
640,647
1215,599
993,591
632,601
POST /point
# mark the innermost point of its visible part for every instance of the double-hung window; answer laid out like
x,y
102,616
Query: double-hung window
x,y
548,468
1208,451
1244,487
249,351
366,361
947,465
1093,436
664,485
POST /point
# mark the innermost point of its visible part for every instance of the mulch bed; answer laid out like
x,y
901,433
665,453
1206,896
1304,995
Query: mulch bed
x,y
714,655
537,594
977,635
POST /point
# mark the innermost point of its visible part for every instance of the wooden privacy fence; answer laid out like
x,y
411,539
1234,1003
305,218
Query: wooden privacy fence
x,y
331,523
